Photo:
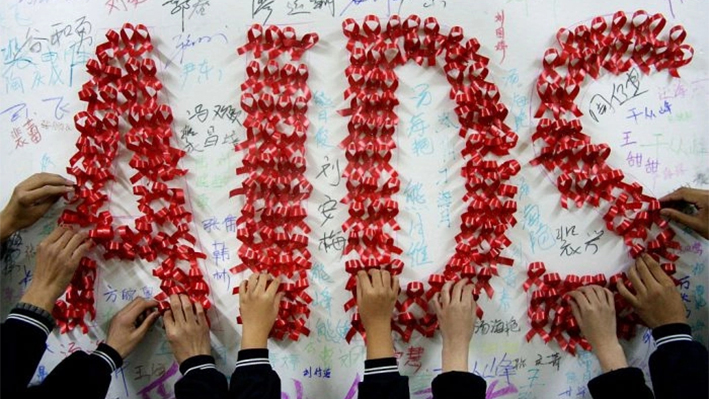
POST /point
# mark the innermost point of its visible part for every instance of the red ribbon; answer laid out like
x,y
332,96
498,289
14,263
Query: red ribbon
x,y
272,226
124,66
376,50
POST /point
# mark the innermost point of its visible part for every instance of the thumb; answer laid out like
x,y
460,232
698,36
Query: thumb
x,y
690,221
147,323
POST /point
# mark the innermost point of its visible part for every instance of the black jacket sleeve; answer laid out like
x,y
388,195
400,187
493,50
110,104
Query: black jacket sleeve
x,y
253,377
201,380
458,384
80,376
383,381
623,383
22,344
679,366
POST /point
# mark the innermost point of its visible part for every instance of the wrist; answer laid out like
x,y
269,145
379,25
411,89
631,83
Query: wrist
x,y
121,351
454,357
7,227
379,341
40,297
677,319
254,339
610,356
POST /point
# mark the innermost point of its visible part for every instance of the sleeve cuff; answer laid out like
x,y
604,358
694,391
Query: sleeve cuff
x,y
32,315
386,366
625,382
109,356
458,384
199,362
253,357
672,333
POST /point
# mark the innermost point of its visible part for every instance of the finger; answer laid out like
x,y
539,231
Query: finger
x,y
169,319
251,284
74,242
46,193
45,179
376,275
54,235
386,279
458,290
635,280
691,221
273,286
575,310
140,305
64,239
682,194
176,306
625,293
644,273
657,272
446,293
364,281
277,300
358,286
609,297
80,252
242,290
187,308
201,315
395,285
467,295
261,282
600,296
147,323
580,299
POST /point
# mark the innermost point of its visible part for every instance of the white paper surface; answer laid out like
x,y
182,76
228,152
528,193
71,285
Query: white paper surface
x,y
45,44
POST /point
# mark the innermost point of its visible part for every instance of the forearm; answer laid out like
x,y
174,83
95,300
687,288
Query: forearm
x,y
43,298
455,356
379,341
254,339
6,227
611,357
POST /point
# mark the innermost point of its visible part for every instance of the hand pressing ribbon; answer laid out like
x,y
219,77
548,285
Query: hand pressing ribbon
x,y
124,84
550,314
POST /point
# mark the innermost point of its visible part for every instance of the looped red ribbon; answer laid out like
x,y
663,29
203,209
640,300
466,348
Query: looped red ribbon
x,y
124,65
376,49
272,226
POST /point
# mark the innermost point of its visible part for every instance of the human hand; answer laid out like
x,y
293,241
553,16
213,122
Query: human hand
x,y
656,300
186,328
58,256
594,309
376,297
673,205
127,330
259,301
455,308
31,199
